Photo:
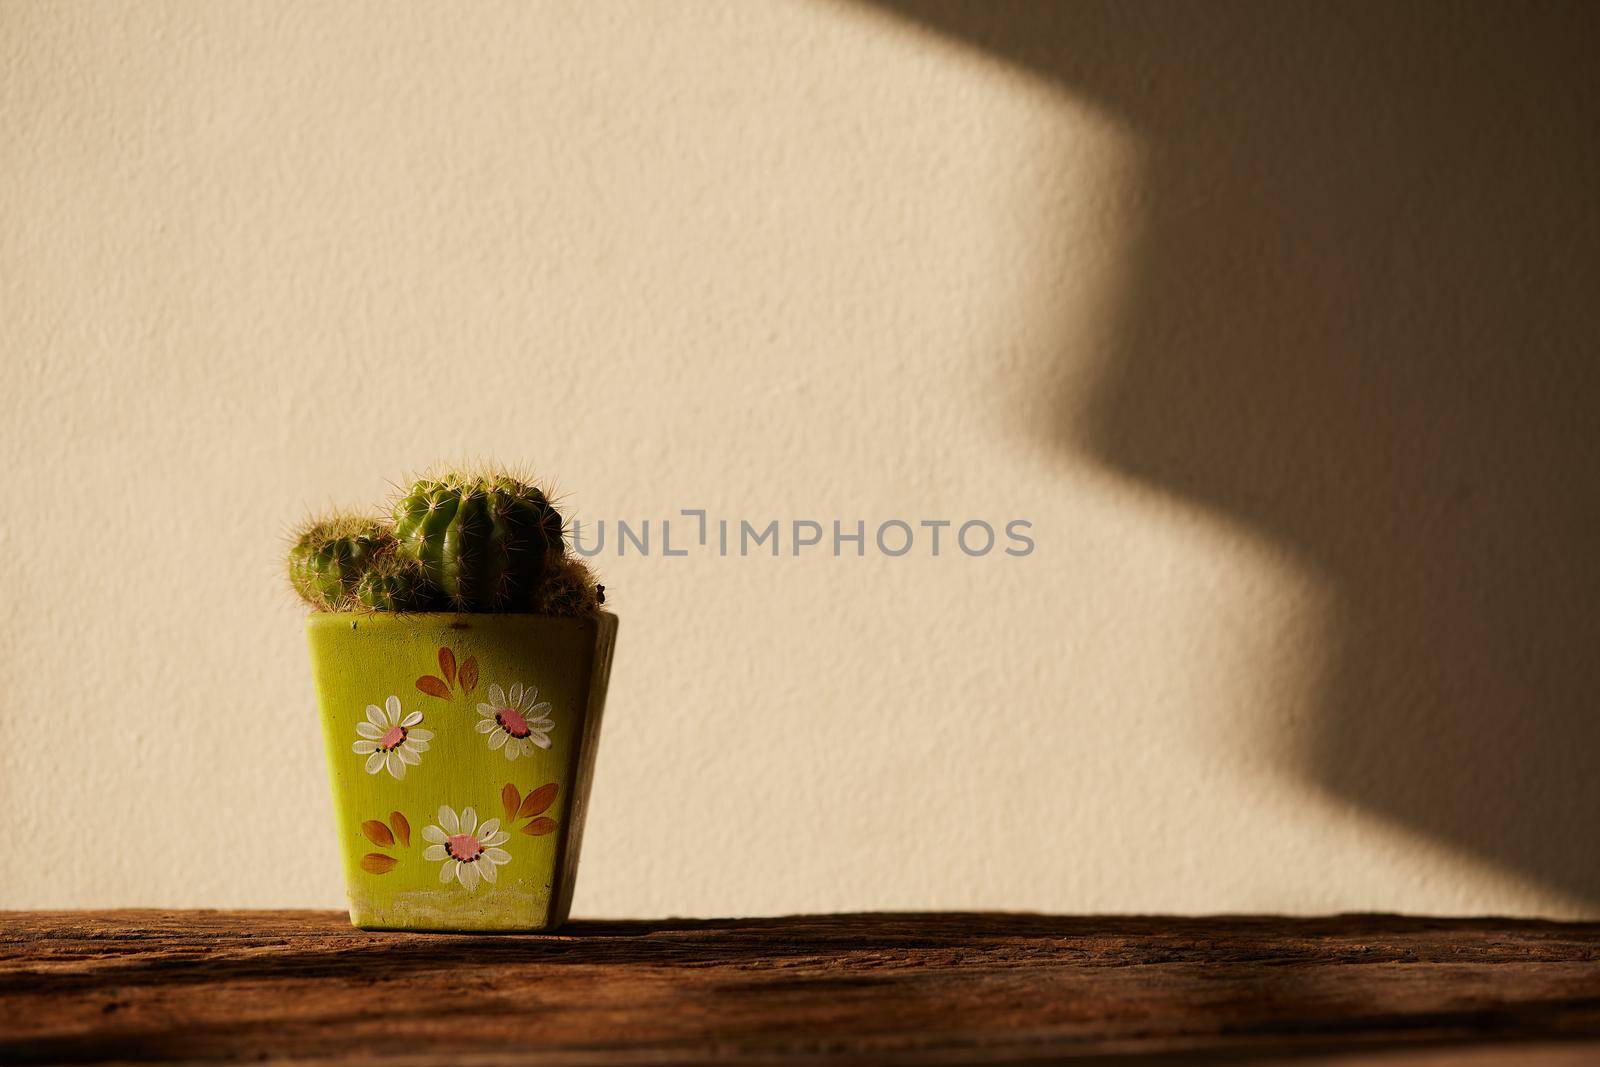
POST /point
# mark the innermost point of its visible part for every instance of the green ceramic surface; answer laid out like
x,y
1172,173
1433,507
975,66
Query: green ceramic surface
x,y
460,750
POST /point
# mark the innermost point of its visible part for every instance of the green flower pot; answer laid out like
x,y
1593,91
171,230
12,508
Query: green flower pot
x,y
460,750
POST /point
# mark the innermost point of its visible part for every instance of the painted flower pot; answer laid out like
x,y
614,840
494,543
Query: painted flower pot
x,y
460,749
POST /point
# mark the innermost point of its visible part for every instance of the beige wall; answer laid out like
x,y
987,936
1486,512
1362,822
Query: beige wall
x,y
1276,326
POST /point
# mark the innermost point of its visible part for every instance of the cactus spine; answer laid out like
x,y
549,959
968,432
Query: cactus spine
x,y
484,542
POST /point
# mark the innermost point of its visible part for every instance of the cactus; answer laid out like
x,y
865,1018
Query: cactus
x,y
568,589
461,542
485,542
394,582
329,556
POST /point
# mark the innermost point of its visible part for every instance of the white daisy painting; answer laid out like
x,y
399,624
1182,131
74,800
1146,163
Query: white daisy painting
x,y
467,852
516,722
391,739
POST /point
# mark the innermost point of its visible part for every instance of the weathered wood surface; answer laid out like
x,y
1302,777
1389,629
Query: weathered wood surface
x,y
940,988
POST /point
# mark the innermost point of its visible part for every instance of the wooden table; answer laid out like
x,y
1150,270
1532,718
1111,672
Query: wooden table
x,y
927,988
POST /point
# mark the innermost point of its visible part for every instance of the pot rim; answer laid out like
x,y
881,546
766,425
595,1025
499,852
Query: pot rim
x,y
460,619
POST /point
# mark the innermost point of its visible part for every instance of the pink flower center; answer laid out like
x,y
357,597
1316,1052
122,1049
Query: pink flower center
x,y
512,722
392,737
463,847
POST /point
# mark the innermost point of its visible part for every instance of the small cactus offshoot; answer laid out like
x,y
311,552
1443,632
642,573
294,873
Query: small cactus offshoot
x,y
459,542
569,588
393,583
329,556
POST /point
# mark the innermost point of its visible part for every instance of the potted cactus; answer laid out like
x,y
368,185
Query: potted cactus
x,y
461,658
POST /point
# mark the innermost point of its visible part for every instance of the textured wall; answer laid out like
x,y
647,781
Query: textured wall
x,y
1290,638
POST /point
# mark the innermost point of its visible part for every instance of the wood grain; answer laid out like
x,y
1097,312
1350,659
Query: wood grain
x,y
939,988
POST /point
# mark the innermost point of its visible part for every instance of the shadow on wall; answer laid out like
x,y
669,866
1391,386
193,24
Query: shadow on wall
x,y
1364,318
